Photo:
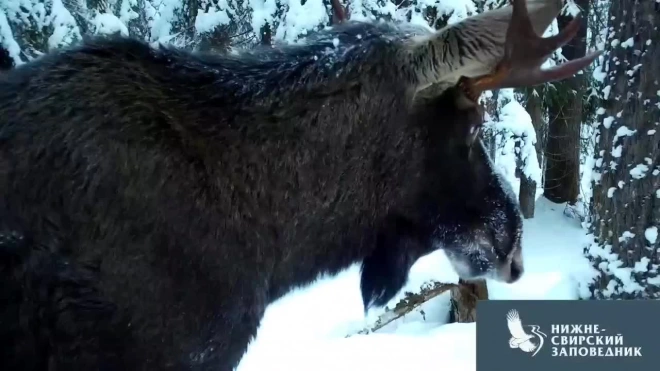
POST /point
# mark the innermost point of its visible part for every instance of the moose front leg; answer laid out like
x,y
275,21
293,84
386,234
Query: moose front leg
x,y
524,53
384,272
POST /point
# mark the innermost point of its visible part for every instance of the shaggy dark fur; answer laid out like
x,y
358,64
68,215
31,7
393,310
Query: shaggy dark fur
x,y
154,202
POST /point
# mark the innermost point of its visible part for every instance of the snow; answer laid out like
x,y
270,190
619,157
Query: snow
x,y
628,43
207,22
7,39
625,236
108,23
262,12
515,119
599,75
639,171
607,121
514,125
611,265
307,329
459,9
622,131
642,265
633,70
625,275
651,234
589,165
162,14
610,192
571,8
65,29
405,351
300,18
654,280
126,13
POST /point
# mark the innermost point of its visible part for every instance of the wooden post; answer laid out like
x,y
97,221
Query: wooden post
x,y
464,299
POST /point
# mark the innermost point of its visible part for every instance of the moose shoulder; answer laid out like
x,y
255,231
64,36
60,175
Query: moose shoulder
x,y
154,202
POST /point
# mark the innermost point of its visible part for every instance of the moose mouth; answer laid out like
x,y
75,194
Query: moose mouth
x,y
472,266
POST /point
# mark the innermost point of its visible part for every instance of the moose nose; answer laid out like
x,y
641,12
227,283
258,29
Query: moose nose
x,y
516,272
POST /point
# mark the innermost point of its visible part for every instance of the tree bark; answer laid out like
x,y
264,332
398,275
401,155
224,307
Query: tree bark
x,y
464,299
489,138
534,107
266,35
527,197
527,191
562,172
625,212
6,62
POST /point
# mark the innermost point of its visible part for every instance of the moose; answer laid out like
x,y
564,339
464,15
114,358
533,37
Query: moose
x,y
154,201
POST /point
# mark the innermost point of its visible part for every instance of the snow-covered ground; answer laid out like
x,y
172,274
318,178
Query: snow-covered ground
x,y
306,330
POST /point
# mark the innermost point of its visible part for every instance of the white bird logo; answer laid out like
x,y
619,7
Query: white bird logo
x,y
519,338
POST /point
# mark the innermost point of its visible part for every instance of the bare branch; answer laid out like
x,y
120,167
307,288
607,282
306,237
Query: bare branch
x,y
407,305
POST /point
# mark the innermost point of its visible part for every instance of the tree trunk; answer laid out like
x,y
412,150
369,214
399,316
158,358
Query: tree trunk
x,y
6,62
527,196
534,107
527,193
464,299
490,137
266,35
626,196
562,172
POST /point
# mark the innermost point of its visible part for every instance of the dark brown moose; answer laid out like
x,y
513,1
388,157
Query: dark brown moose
x,y
155,201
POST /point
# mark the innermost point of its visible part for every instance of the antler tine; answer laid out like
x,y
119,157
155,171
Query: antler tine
x,y
339,12
524,53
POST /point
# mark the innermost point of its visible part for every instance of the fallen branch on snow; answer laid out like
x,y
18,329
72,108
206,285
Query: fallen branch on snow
x,y
407,305
464,297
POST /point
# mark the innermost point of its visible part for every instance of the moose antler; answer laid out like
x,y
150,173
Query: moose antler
x,y
339,13
524,53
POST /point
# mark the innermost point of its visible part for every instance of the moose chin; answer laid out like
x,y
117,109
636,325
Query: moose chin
x,y
155,201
